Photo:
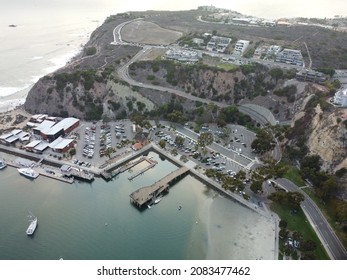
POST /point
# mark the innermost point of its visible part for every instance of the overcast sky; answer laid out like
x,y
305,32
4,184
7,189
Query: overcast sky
x,y
260,8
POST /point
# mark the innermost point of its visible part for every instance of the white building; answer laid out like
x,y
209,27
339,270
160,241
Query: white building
x,y
274,50
240,47
198,41
340,98
182,55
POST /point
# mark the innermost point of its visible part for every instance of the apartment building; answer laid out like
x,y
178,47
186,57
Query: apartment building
x,y
290,56
218,44
240,47
310,76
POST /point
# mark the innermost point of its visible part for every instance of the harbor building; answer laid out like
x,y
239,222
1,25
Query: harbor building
x,y
61,145
240,47
14,136
65,126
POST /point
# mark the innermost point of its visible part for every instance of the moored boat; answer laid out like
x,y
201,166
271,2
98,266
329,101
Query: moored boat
x,y
28,172
157,200
2,164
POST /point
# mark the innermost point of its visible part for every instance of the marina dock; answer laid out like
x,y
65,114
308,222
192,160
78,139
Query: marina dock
x,y
147,195
42,171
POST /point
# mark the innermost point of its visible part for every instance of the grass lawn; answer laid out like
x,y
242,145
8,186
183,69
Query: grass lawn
x,y
328,212
293,175
228,66
298,222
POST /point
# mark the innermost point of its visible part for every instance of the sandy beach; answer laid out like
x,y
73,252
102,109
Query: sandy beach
x,y
16,118
232,230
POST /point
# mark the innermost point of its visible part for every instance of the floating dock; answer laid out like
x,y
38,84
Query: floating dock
x,y
147,195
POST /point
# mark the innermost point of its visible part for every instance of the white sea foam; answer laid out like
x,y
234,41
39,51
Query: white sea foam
x,y
6,91
9,105
60,61
36,57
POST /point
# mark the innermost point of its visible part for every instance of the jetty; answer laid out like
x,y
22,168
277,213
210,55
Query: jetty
x,y
147,195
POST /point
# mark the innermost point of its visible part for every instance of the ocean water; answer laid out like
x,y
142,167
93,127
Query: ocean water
x,y
96,221
40,43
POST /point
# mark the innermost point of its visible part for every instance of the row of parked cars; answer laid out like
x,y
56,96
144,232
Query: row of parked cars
x,y
105,139
89,142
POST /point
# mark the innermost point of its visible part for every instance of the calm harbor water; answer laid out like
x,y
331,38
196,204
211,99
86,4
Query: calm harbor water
x,y
97,221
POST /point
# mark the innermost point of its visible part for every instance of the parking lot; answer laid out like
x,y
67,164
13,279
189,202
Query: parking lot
x,y
95,138
229,153
224,156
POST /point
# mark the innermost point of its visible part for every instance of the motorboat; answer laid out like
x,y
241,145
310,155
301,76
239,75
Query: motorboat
x,y
28,172
2,164
157,200
32,227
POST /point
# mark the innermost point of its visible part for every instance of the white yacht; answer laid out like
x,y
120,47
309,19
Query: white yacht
x,y
32,227
28,172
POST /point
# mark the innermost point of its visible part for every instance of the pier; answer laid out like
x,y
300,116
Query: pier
x,y
148,194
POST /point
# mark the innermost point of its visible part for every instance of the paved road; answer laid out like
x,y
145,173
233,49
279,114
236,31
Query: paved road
x,y
326,234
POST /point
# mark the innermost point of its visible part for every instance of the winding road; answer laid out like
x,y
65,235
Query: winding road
x,y
321,226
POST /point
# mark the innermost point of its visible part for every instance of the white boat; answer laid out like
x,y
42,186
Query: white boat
x,y
158,199
28,172
32,227
2,164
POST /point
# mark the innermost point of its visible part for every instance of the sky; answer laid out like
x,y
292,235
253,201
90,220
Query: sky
x,y
264,8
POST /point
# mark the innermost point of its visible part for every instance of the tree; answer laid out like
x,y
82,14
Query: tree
x,y
109,151
283,233
294,199
276,73
162,144
312,161
341,211
308,245
176,116
241,175
179,140
72,152
298,236
264,142
283,224
257,186
205,139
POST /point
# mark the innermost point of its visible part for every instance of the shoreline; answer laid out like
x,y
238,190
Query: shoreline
x,y
13,101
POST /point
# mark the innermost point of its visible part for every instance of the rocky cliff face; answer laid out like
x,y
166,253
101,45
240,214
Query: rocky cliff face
x,y
247,81
89,95
327,139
